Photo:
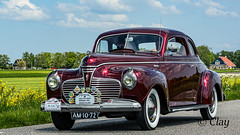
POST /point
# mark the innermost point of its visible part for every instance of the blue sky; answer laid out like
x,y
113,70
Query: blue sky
x,y
73,25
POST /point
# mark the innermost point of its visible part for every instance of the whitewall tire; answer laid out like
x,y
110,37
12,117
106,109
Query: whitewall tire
x,y
210,112
149,116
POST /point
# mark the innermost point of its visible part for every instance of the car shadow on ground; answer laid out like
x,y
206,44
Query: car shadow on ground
x,y
121,124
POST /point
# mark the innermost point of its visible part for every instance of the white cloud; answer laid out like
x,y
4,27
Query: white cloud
x,y
134,25
164,9
185,1
212,3
66,7
21,10
157,25
215,9
113,17
75,22
114,5
212,11
198,4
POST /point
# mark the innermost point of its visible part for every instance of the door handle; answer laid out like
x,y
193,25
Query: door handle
x,y
191,66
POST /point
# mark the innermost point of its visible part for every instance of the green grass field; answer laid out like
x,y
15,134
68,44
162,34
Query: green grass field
x,y
24,83
226,70
25,79
23,73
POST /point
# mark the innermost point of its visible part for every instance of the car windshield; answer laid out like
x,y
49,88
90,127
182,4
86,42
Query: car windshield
x,y
136,42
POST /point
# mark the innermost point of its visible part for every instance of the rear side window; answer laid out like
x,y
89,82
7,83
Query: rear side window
x,y
176,47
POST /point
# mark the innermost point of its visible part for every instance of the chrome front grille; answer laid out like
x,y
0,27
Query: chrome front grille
x,y
88,69
110,88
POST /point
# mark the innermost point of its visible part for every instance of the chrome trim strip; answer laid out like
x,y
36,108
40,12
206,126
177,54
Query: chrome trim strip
x,y
153,62
188,107
83,76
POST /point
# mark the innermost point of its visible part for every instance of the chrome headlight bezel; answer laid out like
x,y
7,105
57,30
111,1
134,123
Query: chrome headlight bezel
x,y
54,81
129,79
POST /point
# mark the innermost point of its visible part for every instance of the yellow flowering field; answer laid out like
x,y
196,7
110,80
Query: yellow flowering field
x,y
231,86
21,94
9,97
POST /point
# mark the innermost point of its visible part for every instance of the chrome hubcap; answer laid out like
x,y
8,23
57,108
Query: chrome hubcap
x,y
152,108
213,105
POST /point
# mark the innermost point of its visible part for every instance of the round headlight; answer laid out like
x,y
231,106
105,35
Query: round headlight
x,y
129,79
54,81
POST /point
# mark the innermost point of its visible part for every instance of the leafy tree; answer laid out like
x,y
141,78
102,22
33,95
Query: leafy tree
x,y
237,58
205,55
4,60
78,60
43,60
216,55
228,54
32,59
22,64
46,59
57,60
69,60
38,60
26,58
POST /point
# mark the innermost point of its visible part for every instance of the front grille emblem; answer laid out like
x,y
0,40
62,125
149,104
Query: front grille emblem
x,y
77,89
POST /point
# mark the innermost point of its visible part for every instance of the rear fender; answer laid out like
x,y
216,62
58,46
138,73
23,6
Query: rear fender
x,y
209,80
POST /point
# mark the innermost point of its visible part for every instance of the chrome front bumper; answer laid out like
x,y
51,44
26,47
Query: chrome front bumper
x,y
116,105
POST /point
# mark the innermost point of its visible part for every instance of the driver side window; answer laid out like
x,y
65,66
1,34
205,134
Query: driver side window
x,y
175,47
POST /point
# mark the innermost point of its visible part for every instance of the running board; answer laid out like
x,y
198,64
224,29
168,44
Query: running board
x,y
187,108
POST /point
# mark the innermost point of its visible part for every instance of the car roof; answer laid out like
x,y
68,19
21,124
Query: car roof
x,y
151,30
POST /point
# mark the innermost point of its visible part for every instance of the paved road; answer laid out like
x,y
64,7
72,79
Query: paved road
x,y
228,122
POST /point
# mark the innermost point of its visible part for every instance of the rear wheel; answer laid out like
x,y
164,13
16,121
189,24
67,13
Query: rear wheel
x,y
210,112
62,121
148,118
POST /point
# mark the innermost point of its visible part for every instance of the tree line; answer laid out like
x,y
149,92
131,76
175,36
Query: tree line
x,y
45,60
53,60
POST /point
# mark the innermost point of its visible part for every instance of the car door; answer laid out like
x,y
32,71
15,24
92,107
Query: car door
x,y
179,70
196,68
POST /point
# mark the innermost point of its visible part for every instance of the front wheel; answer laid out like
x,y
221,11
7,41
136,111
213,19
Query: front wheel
x,y
210,112
62,121
148,118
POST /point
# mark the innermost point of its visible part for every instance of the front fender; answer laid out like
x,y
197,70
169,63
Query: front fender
x,y
146,80
64,75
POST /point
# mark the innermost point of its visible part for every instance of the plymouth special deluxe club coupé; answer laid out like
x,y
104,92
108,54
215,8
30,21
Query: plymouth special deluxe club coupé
x,y
136,73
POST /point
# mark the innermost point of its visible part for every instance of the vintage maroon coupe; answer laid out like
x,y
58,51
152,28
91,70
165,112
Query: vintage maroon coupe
x,y
138,73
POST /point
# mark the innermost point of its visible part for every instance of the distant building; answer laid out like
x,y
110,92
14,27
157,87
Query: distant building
x,y
222,63
16,67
